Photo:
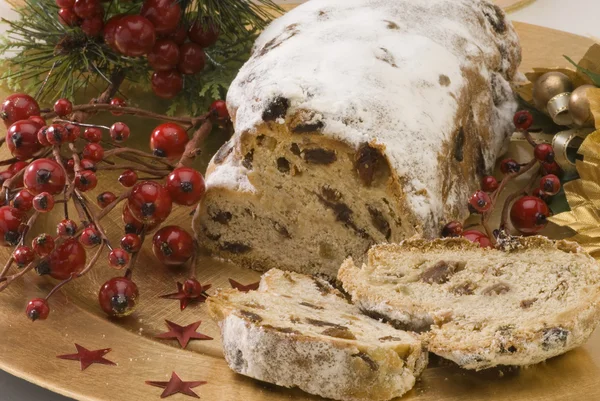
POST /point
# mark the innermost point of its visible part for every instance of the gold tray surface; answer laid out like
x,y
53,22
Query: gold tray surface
x,y
29,350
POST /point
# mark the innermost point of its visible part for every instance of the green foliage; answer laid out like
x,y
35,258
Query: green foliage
x,y
47,58
595,77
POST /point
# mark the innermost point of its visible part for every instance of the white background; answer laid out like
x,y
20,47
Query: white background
x,y
576,16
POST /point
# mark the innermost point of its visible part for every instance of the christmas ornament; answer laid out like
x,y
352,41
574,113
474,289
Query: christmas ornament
x,y
551,93
87,357
579,106
176,385
243,288
185,298
183,334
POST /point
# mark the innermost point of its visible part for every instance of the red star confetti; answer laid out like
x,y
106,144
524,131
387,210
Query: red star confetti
x,y
183,334
243,288
87,357
184,298
176,385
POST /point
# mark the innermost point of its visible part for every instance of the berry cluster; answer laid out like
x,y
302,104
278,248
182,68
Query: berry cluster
x,y
57,163
527,208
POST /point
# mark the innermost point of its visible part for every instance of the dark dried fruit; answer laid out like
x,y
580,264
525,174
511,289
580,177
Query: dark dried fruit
x,y
459,144
286,330
330,194
389,338
295,149
303,128
495,16
319,156
235,247
283,165
366,160
322,323
496,289
324,288
248,159
380,223
365,357
276,109
526,303
280,228
440,272
344,214
308,304
554,337
466,288
345,333
253,317
221,217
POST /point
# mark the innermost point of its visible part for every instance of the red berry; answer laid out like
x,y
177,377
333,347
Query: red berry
x,y
23,256
87,164
93,134
478,237
21,139
93,151
489,183
66,228
43,244
118,258
205,32
68,258
186,186
73,132
164,55
86,180
178,36
218,108
63,107
167,84
552,168
11,227
132,243
119,132
134,36
529,214
539,193
105,199
168,140
523,119
93,26
192,288
128,178
57,134
42,136
18,107
165,15
544,153
192,59
23,201
150,202
67,17
550,184
5,175
43,202
452,229
508,166
38,120
118,297
133,225
44,175
90,237
118,102
37,309
110,28
65,3
480,201
87,8
172,245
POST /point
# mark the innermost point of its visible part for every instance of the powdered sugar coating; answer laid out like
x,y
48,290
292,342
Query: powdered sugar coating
x,y
392,73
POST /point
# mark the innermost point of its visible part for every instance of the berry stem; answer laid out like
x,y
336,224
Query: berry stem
x,y
528,137
192,148
112,205
129,271
84,125
120,151
129,167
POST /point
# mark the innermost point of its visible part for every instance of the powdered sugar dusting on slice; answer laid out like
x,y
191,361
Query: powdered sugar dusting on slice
x,y
230,176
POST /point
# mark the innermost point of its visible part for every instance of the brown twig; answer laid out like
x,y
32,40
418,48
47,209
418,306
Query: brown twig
x,y
192,148
134,257
128,167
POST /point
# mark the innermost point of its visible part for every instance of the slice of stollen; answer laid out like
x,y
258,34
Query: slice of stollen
x,y
482,307
298,331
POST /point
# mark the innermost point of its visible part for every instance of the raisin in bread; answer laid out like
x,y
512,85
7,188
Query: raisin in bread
x,y
482,307
358,122
298,331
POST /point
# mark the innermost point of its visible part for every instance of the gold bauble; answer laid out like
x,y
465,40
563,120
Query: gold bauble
x,y
549,85
579,107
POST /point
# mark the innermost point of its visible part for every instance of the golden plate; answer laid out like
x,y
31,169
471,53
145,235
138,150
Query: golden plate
x,y
29,350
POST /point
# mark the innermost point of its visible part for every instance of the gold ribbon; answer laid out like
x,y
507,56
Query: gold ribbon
x,y
565,144
558,109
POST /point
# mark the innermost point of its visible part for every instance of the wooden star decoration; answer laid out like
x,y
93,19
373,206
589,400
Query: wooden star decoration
x,y
184,298
242,287
176,385
183,334
87,357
